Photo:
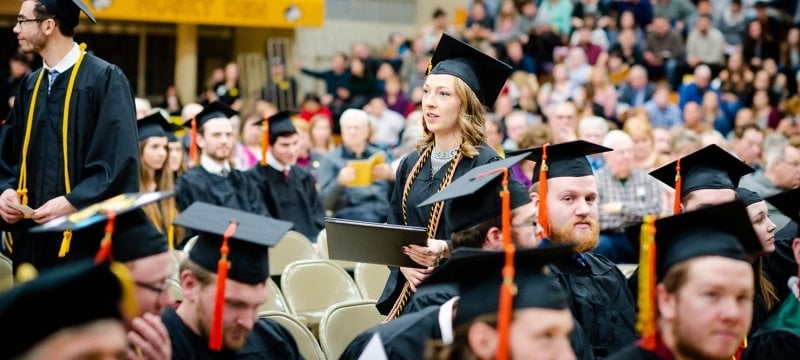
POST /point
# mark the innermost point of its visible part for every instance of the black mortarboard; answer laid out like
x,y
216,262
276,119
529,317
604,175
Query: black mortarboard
x,y
68,10
249,244
708,168
215,110
476,194
133,234
566,159
280,124
788,203
721,230
478,273
747,197
68,296
484,74
156,124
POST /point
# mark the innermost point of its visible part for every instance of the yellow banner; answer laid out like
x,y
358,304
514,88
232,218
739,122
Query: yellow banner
x,y
250,13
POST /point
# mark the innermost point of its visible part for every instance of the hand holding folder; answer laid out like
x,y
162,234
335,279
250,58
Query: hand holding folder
x,y
363,169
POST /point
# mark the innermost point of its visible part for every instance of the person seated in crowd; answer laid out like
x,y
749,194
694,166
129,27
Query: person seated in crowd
x,y
699,254
781,172
86,324
289,192
340,195
625,195
218,316
595,285
779,337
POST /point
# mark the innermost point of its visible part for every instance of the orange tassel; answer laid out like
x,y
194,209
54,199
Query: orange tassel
x,y
193,146
264,142
105,245
646,319
544,217
508,289
676,207
215,338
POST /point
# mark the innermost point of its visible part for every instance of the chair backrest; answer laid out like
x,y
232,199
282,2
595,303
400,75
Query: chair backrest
x,y
293,246
322,242
275,300
311,286
343,322
306,343
6,274
371,279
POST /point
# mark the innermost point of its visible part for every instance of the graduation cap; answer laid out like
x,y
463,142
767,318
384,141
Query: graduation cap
x,y
479,276
788,203
276,125
68,10
212,111
566,159
156,124
484,74
476,194
747,197
722,230
136,236
85,293
233,244
708,168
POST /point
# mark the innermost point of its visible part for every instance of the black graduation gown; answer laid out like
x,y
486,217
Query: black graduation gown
x,y
780,336
294,199
425,185
102,151
780,265
403,338
236,191
267,340
634,352
599,299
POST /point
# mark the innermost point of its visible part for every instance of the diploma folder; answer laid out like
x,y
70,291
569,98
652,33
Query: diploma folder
x,y
374,243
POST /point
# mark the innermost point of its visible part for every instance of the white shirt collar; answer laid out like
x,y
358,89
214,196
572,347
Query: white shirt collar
x,y
275,164
793,286
446,320
67,62
214,167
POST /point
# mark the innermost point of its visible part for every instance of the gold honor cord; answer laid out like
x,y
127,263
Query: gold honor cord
x,y
22,188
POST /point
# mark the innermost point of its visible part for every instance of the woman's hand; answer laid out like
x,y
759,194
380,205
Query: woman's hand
x,y
415,276
427,255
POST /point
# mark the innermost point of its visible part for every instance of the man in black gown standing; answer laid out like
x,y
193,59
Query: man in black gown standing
x,y
214,180
70,139
289,191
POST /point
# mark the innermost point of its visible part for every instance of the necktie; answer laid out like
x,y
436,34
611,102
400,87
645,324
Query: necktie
x,y
286,175
224,172
51,79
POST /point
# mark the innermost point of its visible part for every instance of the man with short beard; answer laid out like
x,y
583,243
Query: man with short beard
x,y
703,286
599,299
240,334
215,181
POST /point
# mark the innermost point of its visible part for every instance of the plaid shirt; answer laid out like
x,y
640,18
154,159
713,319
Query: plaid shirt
x,y
640,195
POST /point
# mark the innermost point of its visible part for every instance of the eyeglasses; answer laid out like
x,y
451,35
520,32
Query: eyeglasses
x,y
21,21
157,288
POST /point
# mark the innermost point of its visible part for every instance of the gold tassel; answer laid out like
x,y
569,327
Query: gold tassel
x,y
646,319
66,242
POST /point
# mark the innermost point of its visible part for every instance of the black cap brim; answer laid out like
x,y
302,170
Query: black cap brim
x,y
248,246
566,159
215,110
156,124
708,168
280,123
